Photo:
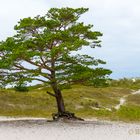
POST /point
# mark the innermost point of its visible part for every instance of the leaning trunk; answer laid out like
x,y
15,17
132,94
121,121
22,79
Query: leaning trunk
x,y
62,113
60,101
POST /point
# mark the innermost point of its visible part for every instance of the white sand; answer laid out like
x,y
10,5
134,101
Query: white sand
x,y
123,99
3,118
28,129
136,92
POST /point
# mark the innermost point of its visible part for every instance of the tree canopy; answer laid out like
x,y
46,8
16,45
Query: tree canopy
x,y
50,44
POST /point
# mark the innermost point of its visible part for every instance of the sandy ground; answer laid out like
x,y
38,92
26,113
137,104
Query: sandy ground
x,y
123,99
40,129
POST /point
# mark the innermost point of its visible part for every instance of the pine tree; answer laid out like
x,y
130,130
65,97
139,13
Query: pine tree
x,y
46,49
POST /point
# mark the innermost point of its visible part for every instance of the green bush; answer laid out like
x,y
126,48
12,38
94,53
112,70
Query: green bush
x,y
21,88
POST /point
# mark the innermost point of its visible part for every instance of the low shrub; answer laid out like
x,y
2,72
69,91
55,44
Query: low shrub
x,y
21,88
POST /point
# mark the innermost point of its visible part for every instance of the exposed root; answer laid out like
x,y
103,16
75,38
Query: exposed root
x,y
65,116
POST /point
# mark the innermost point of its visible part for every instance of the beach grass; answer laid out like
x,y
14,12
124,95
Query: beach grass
x,y
84,101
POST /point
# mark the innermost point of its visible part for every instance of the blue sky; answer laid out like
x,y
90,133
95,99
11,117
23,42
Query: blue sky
x,y
118,20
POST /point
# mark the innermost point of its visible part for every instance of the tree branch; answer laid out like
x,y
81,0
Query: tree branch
x,y
33,63
38,80
51,94
32,71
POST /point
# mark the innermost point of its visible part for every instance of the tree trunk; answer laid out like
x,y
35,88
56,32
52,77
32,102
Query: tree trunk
x,y
62,113
60,101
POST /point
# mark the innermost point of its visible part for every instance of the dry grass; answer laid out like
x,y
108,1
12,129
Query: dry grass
x,y
79,99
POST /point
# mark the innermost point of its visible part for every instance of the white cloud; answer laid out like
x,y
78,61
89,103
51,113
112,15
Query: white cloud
x,y
12,11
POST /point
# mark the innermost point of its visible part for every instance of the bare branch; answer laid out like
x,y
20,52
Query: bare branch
x,y
32,71
38,80
51,94
41,66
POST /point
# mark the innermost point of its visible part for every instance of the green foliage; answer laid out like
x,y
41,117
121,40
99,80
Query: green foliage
x,y
49,46
21,88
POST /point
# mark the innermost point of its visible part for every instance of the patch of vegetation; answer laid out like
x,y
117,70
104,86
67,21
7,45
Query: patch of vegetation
x,y
129,113
33,103
134,99
126,83
21,88
84,101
